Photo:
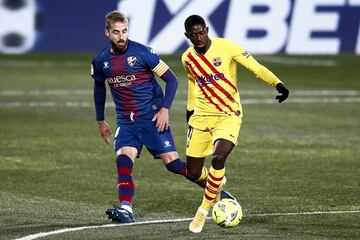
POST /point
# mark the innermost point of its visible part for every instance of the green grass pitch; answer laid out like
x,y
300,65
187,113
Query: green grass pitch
x,y
296,157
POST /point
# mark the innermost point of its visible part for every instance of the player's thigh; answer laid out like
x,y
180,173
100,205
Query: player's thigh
x,y
227,128
126,141
158,143
199,143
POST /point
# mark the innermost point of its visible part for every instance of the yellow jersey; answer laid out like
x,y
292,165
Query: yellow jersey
x,y
212,85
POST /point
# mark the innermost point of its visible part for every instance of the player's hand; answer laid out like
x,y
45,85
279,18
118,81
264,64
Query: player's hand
x,y
284,92
162,119
105,131
188,115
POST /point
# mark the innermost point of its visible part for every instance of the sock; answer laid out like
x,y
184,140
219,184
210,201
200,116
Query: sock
x,y
201,181
177,166
126,186
212,185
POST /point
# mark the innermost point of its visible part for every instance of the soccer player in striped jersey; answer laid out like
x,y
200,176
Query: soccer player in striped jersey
x,y
142,109
214,110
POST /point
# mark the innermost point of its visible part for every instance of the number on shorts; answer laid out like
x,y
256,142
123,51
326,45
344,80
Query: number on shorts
x,y
189,135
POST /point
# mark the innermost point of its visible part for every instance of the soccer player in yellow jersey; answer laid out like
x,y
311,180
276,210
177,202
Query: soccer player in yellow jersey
x,y
214,111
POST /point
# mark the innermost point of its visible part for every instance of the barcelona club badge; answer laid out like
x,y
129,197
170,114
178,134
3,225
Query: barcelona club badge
x,y
131,61
217,61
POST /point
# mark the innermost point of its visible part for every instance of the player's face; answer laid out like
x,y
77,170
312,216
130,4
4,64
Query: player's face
x,y
198,35
118,36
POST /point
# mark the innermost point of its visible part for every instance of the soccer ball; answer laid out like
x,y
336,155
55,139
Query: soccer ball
x,y
227,213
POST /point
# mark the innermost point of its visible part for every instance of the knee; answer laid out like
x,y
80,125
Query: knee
x,y
218,160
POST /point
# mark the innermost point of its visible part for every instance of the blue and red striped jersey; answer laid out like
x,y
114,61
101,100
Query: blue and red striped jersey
x,y
134,89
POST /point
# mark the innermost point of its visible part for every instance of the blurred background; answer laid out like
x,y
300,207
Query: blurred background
x,y
262,26
296,170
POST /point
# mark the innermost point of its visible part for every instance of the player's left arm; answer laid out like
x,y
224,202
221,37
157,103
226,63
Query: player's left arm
x,y
162,70
260,71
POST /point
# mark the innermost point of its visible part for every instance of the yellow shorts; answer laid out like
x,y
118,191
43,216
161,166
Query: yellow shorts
x,y
203,131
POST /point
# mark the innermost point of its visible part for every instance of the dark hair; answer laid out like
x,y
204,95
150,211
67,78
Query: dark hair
x,y
192,21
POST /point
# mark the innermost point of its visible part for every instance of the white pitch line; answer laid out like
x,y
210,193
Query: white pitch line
x,y
62,92
299,61
52,92
51,104
321,93
43,64
286,61
302,100
303,213
65,230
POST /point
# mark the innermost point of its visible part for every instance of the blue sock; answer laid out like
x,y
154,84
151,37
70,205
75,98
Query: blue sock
x,y
177,166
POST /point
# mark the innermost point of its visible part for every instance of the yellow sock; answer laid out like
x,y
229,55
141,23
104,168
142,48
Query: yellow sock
x,y
203,175
212,185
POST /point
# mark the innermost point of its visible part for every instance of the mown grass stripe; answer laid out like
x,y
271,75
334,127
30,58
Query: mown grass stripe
x,y
52,104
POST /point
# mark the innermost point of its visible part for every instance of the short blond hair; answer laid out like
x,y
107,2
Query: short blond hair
x,y
114,16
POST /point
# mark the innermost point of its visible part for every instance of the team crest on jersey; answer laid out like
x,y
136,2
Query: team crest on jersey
x,y
131,61
217,61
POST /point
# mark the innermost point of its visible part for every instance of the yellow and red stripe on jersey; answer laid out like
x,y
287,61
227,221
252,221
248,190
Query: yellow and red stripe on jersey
x,y
213,77
216,89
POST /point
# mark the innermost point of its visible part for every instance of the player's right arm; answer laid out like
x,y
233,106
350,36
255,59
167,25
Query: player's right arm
x,y
99,101
191,85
